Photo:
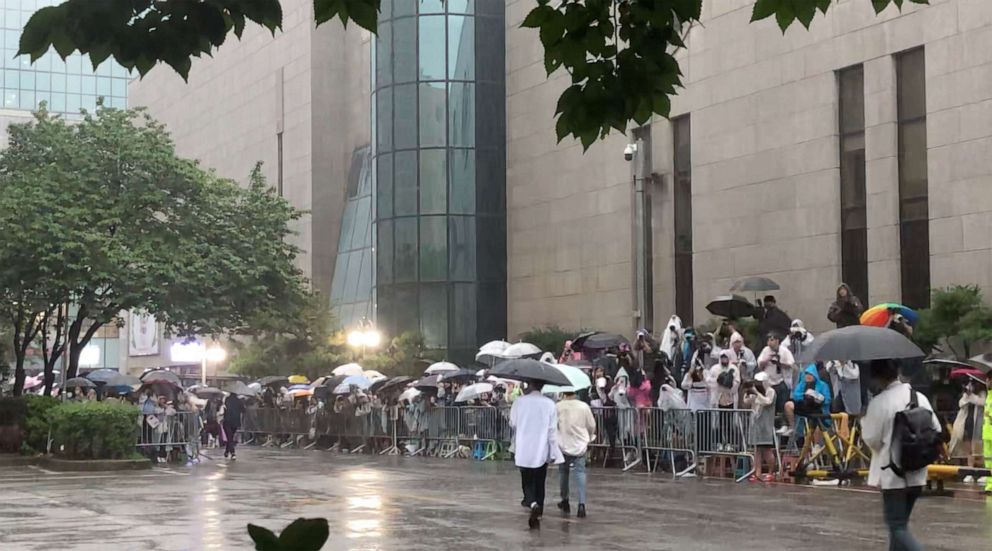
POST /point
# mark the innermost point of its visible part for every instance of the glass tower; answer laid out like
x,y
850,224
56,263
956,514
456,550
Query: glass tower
x,y
67,86
351,289
439,166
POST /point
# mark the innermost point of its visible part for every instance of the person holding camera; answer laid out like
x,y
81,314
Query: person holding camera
x,y
846,309
761,399
695,385
724,379
798,338
778,363
742,356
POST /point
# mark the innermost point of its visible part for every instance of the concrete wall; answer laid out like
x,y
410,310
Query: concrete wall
x,y
765,165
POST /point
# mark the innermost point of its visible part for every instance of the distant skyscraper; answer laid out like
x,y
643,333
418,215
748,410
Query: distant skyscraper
x,y
67,86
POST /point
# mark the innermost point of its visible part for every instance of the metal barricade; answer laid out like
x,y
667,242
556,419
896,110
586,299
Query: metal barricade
x,y
163,434
442,428
486,431
670,434
724,433
618,429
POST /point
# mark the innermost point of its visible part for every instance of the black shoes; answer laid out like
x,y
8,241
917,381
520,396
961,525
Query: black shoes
x,y
524,504
534,521
564,507
582,510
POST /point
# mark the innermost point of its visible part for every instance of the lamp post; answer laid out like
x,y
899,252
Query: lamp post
x,y
364,336
214,354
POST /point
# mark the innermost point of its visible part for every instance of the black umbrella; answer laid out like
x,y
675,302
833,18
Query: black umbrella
x,y
428,383
754,285
121,380
860,343
525,369
207,392
161,375
240,389
393,383
101,376
79,382
460,375
333,382
273,380
599,341
731,307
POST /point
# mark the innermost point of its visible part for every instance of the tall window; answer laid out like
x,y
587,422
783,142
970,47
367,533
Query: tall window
x,y
853,216
914,213
683,217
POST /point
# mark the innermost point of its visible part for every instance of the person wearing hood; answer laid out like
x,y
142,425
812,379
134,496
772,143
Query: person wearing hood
x,y
671,339
685,352
845,380
761,399
742,356
778,363
798,339
967,427
846,309
811,396
724,378
696,387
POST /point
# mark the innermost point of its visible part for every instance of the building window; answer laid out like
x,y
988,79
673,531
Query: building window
x,y
914,212
853,216
681,137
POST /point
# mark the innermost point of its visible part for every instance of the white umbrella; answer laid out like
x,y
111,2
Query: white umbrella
x,y
575,376
491,351
374,375
471,392
441,367
348,370
519,350
355,380
256,387
409,394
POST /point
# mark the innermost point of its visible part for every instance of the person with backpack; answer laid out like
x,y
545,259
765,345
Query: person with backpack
x,y
904,436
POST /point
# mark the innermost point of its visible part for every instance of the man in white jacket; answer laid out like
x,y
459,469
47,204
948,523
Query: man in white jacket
x,y
535,444
899,494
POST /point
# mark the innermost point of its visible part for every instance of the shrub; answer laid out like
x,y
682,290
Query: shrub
x,y
36,423
12,411
94,430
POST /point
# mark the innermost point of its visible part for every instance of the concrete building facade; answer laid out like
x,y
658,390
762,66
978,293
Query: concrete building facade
x,y
857,151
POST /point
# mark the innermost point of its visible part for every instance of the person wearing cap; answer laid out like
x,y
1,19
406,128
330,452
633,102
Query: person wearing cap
x,y
772,319
760,397
778,363
576,429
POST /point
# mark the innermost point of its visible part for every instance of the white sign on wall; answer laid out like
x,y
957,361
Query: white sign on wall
x,y
142,332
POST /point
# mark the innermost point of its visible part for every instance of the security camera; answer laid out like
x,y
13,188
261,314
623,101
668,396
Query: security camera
x,y
628,152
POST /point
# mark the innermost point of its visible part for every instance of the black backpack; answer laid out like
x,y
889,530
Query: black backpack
x,y
921,443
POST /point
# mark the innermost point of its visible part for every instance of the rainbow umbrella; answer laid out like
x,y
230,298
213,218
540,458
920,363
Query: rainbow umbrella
x,y
878,315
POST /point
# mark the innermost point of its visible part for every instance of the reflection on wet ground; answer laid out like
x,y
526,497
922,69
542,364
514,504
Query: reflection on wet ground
x,y
412,503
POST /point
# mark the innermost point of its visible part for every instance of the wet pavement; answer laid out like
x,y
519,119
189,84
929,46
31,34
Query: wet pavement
x,y
412,503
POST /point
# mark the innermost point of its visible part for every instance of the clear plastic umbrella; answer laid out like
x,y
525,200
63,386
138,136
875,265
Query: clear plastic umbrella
x,y
520,350
491,352
441,367
348,369
471,392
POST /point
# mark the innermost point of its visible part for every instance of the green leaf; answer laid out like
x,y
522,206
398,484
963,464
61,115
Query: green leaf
x,y
34,39
365,13
537,16
785,15
764,9
264,539
305,534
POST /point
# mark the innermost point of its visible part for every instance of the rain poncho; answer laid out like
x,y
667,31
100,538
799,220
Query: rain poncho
x,y
817,390
845,311
744,358
671,338
671,398
796,346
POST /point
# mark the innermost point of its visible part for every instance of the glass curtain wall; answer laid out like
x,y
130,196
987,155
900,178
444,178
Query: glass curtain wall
x,y
67,86
438,128
351,289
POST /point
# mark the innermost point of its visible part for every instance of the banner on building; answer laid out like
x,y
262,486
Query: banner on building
x,y
142,334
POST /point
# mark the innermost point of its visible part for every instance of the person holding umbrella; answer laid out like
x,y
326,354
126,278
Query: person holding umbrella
x,y
233,410
535,444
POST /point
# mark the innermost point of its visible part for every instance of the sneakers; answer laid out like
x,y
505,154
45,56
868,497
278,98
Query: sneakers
x,y
582,510
782,431
523,503
564,507
233,457
534,520
982,480
969,479
225,455
833,482
768,478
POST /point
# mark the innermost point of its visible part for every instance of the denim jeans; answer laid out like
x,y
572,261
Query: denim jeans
x,y
898,506
578,465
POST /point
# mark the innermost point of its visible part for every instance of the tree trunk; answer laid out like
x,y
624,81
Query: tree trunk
x,y
19,374
77,343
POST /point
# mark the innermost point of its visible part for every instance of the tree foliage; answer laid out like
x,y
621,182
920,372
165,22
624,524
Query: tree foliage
x,y
619,54
550,338
958,318
102,215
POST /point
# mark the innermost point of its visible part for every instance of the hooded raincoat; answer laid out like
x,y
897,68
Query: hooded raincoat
x,y
847,310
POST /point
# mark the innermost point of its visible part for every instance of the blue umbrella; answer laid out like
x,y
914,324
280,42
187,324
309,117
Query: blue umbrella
x,y
298,387
101,376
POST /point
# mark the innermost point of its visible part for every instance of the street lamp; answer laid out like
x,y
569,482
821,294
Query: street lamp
x,y
365,336
214,354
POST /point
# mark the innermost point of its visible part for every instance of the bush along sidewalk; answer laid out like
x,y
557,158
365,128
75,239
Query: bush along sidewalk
x,y
94,430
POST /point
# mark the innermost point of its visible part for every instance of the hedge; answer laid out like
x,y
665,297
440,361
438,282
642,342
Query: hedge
x,y
94,430
35,425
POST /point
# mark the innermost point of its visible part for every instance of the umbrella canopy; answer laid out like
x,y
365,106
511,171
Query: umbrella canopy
x,y
122,383
396,384
970,373
730,307
491,352
463,375
441,367
293,388
523,369
255,386
599,341
471,392
754,285
207,392
860,343
300,393
878,315
273,380
427,383
356,380
101,376
240,389
33,382
576,377
374,375
982,362
409,394
348,369
520,350
298,380
79,382
160,375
